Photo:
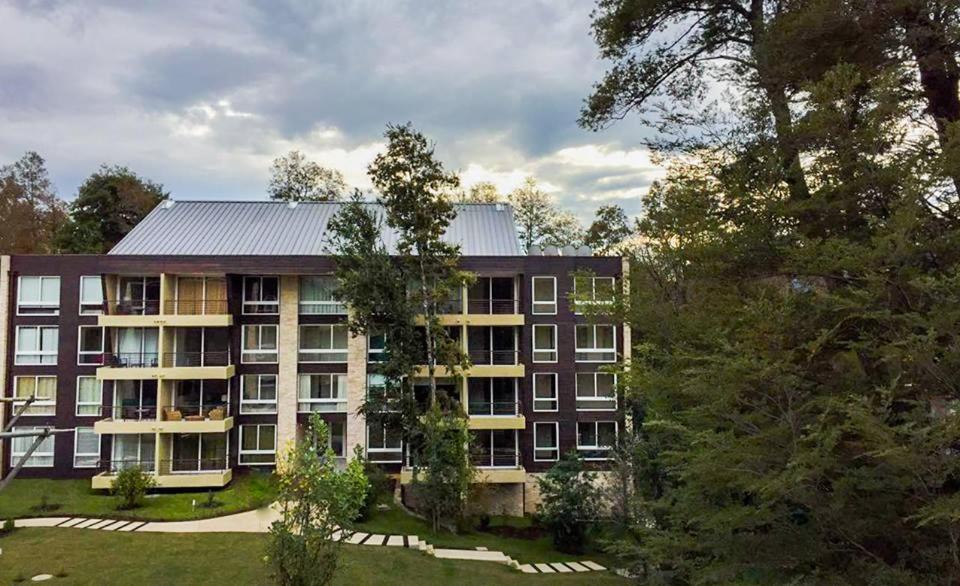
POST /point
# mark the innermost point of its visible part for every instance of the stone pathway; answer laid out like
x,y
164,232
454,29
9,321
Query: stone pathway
x,y
259,521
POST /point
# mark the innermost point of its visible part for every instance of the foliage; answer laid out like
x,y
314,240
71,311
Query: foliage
x,y
45,506
482,192
30,210
378,485
8,526
442,470
109,204
569,502
564,230
540,221
315,500
130,486
608,229
295,178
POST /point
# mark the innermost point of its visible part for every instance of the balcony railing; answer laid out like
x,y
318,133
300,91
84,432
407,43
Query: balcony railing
x,y
193,465
187,412
196,307
491,408
129,412
493,357
116,466
131,359
206,358
498,458
493,306
132,307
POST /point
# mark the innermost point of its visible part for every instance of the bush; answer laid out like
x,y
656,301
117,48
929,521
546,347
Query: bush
x,y
8,527
569,504
211,502
45,506
378,485
130,486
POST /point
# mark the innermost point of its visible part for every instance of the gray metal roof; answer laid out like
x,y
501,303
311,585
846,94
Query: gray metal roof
x,y
280,229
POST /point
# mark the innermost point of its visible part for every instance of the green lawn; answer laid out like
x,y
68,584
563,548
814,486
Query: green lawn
x,y
247,491
99,557
397,521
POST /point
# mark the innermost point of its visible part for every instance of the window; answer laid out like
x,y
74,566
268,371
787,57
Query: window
x,y
136,348
323,392
596,391
593,290
596,344
37,345
338,438
261,295
259,393
134,400
258,445
89,396
546,441
545,391
544,343
136,450
259,344
86,448
90,345
323,343
316,296
91,295
43,387
384,446
42,457
199,296
595,439
376,347
38,296
544,295
138,296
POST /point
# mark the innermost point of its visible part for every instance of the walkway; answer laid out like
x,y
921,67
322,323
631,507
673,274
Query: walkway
x,y
259,521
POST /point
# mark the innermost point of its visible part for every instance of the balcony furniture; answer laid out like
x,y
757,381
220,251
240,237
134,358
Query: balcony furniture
x,y
216,414
171,414
193,418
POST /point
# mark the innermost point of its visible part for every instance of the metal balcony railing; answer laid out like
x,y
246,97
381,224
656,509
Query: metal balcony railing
x,y
193,465
129,412
493,357
132,307
188,412
206,358
116,466
498,458
131,359
196,307
502,408
493,306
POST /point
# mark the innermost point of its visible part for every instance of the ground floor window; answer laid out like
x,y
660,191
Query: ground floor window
x,y
595,439
197,452
546,441
258,444
42,456
86,448
133,450
384,445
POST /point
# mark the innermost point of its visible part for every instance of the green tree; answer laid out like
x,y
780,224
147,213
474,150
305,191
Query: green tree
x,y
482,192
130,486
295,178
316,501
30,210
569,503
533,212
108,205
608,229
442,472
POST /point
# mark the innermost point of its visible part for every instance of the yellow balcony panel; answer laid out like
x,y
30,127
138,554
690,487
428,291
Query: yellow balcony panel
x,y
484,475
440,372
498,422
195,320
129,321
446,319
497,371
169,373
126,426
199,426
494,319
211,479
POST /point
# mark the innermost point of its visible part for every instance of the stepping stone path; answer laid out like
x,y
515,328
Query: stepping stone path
x,y
258,522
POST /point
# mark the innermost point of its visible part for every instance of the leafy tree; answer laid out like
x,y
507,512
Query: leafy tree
x,y
564,230
533,212
482,192
569,503
295,178
610,228
108,205
30,210
316,500
130,486
444,459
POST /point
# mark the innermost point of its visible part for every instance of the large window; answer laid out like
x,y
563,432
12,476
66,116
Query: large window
x,y
86,448
596,391
137,347
323,393
258,445
544,343
133,450
37,345
259,393
134,400
89,396
90,345
261,295
42,457
337,440
38,296
42,387
199,296
595,439
545,397
596,343
376,347
546,441
138,296
316,296
323,343
593,290
91,295
259,344
384,445
544,295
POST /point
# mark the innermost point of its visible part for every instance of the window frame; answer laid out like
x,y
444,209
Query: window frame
x,y
81,352
15,456
383,450
593,292
556,392
52,404
321,352
76,443
18,354
245,303
258,401
595,397
241,452
597,447
275,352
78,403
533,296
46,308
578,351
556,448
82,307
533,344
337,307
334,377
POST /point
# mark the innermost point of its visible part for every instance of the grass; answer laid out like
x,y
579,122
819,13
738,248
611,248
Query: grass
x,y
75,499
99,557
397,521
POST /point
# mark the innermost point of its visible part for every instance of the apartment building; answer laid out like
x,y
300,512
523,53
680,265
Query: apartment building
x,y
199,346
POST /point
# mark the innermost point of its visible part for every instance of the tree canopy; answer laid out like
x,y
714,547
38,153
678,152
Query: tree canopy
x,y
293,177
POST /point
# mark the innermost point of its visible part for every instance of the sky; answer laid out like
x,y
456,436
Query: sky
x,y
201,96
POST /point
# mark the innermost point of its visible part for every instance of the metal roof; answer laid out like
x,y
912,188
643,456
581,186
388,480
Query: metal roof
x,y
269,228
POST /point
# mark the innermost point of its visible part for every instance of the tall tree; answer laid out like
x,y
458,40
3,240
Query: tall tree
x,y
564,230
533,212
609,228
30,210
482,192
295,178
108,205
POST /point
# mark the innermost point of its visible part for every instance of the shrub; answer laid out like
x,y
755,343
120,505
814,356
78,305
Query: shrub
x,y
378,485
569,504
45,506
8,527
211,502
130,486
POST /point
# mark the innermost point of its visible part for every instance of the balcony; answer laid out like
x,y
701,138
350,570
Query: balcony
x,y
213,418
194,473
495,363
176,312
169,365
498,466
496,414
127,420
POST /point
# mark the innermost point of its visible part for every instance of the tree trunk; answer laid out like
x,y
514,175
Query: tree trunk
x,y
428,316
